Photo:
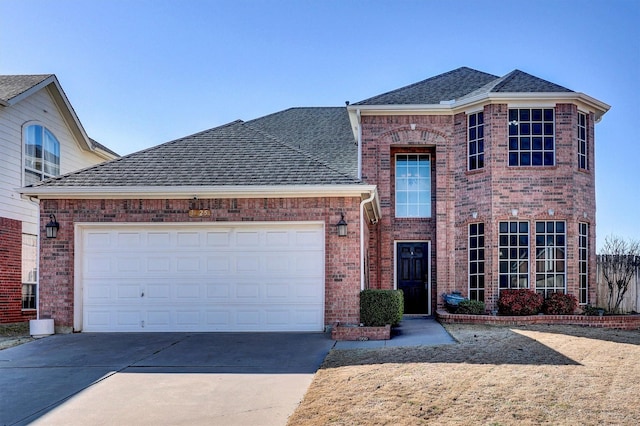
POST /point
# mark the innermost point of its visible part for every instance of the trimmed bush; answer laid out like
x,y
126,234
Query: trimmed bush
x,y
560,304
381,307
470,307
520,301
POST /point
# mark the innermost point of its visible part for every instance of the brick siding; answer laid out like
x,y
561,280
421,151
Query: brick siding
x,y
622,322
342,261
11,273
490,194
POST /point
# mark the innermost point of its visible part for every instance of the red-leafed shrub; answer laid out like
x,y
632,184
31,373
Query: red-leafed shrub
x,y
519,302
560,304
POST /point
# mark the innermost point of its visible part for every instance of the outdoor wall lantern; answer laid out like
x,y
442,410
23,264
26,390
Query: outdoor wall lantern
x,y
342,226
52,227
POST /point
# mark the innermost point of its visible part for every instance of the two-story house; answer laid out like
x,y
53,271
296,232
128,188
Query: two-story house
x,y
40,137
465,181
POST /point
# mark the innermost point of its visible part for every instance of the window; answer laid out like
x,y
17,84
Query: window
x,y
29,271
41,154
476,141
476,261
551,248
583,263
582,142
513,247
531,137
413,185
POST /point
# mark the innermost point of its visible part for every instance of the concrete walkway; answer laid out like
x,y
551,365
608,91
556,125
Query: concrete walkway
x,y
414,330
173,378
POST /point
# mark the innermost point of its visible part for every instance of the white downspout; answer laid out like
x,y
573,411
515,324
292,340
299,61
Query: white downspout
x,y
359,144
362,248
37,203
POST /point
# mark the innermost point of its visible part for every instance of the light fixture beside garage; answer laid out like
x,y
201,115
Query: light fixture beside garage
x,y
52,227
342,226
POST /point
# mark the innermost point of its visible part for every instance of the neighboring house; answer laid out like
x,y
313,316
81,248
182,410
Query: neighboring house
x,y
465,181
40,137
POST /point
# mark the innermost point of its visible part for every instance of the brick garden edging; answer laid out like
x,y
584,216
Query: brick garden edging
x,y
623,322
355,332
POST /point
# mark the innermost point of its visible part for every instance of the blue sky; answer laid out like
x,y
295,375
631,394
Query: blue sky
x,y
143,72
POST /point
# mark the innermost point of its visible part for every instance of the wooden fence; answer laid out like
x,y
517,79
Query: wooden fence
x,y
631,301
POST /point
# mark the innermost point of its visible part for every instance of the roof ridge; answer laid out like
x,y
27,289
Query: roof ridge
x,y
298,150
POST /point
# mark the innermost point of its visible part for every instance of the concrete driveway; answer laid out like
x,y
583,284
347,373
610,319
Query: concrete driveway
x,y
159,378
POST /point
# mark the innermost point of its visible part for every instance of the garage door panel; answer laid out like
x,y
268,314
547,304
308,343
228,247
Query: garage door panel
x,y
202,278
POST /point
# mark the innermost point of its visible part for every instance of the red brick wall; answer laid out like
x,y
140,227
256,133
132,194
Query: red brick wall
x,y
491,193
382,138
11,272
342,263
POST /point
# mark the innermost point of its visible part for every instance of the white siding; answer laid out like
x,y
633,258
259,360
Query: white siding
x,y
38,108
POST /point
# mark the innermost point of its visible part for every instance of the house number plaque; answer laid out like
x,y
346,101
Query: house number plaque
x,y
199,213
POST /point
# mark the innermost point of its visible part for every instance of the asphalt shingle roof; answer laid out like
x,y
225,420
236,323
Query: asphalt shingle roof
x,y
444,87
462,83
324,133
297,146
233,154
13,85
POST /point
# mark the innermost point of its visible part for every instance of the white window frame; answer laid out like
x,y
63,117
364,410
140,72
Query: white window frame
x,y
46,169
29,272
521,132
412,198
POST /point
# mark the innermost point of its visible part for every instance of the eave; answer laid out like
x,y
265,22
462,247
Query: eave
x,y
451,107
188,192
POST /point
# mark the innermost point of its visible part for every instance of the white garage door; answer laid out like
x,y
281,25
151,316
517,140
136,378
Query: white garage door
x,y
258,277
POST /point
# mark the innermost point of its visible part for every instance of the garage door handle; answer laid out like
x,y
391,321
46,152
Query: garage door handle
x,y
142,295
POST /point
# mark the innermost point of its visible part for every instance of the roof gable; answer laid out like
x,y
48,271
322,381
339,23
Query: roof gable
x,y
15,88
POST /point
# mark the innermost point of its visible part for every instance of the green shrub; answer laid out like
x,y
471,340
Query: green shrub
x,y
470,307
381,307
520,301
591,310
560,304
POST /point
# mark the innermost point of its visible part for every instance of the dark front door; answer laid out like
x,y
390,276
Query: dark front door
x,y
413,276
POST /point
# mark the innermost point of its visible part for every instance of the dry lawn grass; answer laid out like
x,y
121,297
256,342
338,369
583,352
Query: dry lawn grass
x,y
557,375
14,334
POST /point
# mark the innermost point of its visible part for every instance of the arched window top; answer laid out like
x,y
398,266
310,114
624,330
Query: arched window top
x,y
41,154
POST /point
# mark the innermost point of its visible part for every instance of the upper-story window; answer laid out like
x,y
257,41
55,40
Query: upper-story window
x,y
475,138
582,142
413,185
41,154
531,137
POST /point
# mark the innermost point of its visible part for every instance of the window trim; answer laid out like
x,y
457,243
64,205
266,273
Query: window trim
x,y
479,260
42,173
550,257
583,154
531,135
32,280
479,128
430,190
583,263
509,259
